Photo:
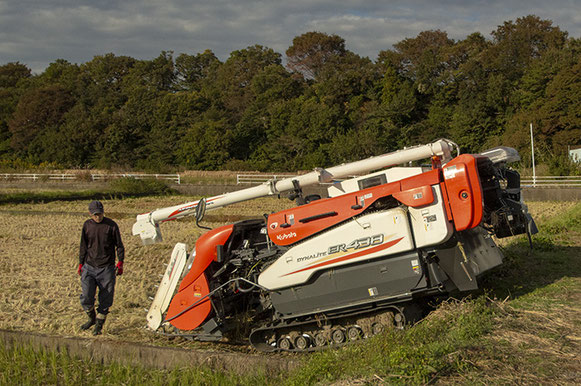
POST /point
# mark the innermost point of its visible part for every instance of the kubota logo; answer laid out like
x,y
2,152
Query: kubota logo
x,y
286,236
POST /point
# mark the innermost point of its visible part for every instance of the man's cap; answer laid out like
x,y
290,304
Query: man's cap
x,y
95,207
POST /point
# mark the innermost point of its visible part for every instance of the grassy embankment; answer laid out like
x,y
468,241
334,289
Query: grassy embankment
x,y
523,329
117,189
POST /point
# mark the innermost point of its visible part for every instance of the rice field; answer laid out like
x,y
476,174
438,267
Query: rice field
x,y
39,290
501,341
40,287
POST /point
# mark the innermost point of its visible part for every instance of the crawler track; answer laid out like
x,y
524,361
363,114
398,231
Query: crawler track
x,y
323,331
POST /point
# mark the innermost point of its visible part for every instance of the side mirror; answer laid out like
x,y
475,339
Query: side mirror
x,y
200,212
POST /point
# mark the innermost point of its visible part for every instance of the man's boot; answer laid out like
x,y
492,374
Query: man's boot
x,y
99,321
92,316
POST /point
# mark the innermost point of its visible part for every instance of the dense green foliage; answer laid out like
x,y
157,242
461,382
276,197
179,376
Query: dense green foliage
x,y
327,106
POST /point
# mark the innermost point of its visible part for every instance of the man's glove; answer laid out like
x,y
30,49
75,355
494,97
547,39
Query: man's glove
x,y
119,268
80,270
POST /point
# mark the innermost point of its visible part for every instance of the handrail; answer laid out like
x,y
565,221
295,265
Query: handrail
x,y
94,176
551,177
526,181
547,181
260,178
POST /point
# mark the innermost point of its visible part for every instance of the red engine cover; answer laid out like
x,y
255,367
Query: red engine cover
x,y
192,294
464,191
195,285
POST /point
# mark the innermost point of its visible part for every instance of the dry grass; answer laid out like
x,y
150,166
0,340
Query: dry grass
x,y
536,346
543,211
39,256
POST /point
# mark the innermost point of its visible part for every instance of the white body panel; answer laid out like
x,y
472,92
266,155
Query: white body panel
x,y
367,237
430,223
168,284
396,174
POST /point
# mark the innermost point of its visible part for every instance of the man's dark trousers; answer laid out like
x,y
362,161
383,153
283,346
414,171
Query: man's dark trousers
x,y
104,279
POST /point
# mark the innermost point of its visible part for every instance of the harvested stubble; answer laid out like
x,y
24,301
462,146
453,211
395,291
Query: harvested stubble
x,y
39,256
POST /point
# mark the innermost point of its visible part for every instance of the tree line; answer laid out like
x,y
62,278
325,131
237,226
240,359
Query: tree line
x,y
325,106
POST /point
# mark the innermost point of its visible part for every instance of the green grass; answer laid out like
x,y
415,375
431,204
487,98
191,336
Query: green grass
x,y
458,341
535,339
555,254
416,355
570,221
117,189
25,365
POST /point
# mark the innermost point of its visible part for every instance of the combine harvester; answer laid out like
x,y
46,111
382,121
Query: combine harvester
x,y
343,268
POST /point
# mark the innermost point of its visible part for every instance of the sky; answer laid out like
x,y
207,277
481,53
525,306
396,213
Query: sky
x,y
38,32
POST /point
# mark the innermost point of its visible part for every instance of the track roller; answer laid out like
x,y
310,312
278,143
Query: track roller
x,y
338,336
320,339
377,328
316,333
284,343
303,342
399,320
354,333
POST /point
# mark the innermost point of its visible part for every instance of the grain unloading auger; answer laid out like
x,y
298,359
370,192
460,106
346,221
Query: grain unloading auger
x,y
344,267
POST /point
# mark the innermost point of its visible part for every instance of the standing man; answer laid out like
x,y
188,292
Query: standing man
x,y
100,239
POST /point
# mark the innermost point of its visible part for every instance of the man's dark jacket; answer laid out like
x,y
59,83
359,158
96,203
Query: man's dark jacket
x,y
98,243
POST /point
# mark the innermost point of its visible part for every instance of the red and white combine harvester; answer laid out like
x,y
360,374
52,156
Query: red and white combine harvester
x,y
346,267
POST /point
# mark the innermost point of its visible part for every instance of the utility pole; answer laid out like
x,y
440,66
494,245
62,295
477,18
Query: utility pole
x,y
533,156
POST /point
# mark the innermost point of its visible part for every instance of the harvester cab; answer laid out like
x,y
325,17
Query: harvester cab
x,y
344,267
